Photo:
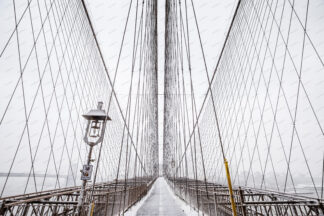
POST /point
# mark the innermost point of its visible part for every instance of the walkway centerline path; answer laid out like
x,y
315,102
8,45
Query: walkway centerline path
x,y
161,202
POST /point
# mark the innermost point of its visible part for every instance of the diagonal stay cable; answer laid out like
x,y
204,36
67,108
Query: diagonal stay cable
x,y
111,83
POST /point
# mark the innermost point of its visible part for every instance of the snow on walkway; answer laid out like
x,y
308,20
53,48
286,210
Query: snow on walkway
x,y
161,201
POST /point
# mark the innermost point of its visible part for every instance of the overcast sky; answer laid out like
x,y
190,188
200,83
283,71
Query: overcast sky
x,y
109,19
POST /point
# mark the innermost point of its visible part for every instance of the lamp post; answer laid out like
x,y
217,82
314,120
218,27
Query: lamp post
x,y
94,134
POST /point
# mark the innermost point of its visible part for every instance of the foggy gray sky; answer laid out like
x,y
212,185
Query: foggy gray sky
x,y
109,19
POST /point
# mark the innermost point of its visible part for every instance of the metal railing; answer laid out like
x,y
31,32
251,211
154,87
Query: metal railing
x,y
214,199
111,198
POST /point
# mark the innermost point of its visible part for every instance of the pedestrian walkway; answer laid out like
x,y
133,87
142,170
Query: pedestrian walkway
x,y
161,202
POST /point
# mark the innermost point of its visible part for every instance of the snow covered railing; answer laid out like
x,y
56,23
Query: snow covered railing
x,y
211,198
111,198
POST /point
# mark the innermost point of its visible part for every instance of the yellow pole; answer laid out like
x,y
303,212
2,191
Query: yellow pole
x,y
92,208
230,187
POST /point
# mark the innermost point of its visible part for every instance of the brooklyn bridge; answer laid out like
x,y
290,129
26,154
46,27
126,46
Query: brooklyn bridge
x,y
174,107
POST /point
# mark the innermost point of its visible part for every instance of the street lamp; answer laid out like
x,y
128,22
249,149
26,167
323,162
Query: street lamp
x,y
94,134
